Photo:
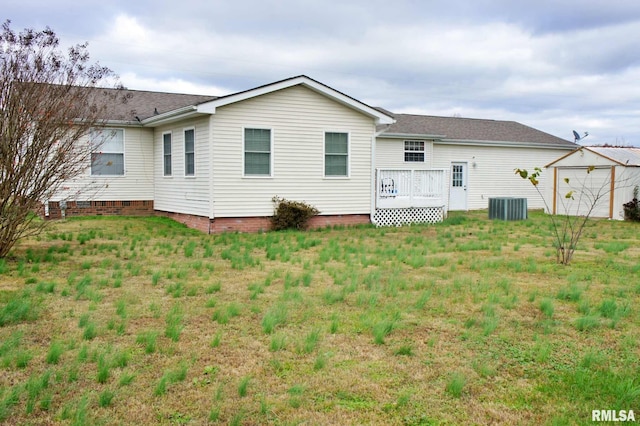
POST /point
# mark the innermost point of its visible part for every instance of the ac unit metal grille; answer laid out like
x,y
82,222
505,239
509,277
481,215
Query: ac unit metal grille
x,y
508,208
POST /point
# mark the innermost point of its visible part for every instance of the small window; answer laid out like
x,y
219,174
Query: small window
x,y
336,154
457,176
107,152
414,151
189,153
257,152
166,149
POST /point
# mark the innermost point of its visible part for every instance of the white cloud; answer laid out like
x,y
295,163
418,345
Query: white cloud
x,y
172,85
555,66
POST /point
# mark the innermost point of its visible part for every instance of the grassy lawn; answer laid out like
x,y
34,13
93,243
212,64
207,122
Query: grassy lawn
x,y
142,321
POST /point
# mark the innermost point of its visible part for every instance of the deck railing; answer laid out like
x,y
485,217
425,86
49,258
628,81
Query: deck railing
x,y
403,188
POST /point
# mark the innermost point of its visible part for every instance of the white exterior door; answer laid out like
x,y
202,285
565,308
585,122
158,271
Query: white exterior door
x,y
458,186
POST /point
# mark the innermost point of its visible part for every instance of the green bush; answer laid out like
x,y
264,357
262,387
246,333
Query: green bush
x,y
291,214
632,208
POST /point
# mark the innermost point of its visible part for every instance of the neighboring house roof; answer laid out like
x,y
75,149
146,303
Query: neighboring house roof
x,y
469,130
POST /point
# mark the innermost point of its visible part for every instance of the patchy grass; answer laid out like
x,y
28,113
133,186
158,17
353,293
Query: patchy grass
x,y
143,321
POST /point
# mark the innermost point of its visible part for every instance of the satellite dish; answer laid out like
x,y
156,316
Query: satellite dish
x,y
577,136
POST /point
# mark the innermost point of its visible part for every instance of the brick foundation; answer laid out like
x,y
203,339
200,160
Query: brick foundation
x,y
260,224
102,208
257,223
201,223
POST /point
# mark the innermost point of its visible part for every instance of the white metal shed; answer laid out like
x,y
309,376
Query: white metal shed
x,y
593,180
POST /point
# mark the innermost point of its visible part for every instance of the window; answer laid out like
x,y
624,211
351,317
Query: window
x,y
457,176
257,152
414,151
336,154
166,149
107,152
189,153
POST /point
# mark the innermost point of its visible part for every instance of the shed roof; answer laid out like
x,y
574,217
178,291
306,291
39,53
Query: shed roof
x,y
470,129
623,156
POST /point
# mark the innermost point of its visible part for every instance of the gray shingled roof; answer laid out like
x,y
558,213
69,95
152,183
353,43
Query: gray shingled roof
x,y
145,104
470,129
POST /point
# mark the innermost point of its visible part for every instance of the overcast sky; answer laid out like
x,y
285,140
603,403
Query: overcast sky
x,y
554,65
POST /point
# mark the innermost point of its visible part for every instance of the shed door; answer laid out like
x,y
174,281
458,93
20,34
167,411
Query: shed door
x,y
589,190
458,187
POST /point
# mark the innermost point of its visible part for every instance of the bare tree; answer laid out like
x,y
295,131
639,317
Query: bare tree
x,y
49,101
578,204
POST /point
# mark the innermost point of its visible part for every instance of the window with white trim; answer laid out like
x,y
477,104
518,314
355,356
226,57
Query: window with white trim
x,y
107,152
257,152
336,154
414,151
189,152
166,153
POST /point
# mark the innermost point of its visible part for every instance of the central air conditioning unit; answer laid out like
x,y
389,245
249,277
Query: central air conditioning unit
x,y
508,208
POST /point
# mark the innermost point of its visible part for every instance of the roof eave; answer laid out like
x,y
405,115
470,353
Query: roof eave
x,y
410,136
443,139
122,123
509,144
171,116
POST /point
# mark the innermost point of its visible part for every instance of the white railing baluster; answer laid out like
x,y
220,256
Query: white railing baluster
x,y
402,188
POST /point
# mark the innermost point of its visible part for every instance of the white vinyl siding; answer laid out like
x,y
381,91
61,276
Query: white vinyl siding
x,y
184,194
336,154
490,171
257,152
166,150
189,152
107,152
136,184
298,118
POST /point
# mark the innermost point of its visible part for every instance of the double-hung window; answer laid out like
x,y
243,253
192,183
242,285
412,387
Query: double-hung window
x,y
166,153
414,151
189,152
107,152
336,154
257,152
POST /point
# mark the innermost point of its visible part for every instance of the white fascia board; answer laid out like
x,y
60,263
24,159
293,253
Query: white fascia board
x,y
382,134
169,116
503,144
380,118
441,139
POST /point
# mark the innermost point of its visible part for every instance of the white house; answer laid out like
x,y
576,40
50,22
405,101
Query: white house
x,y
599,179
215,163
477,157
